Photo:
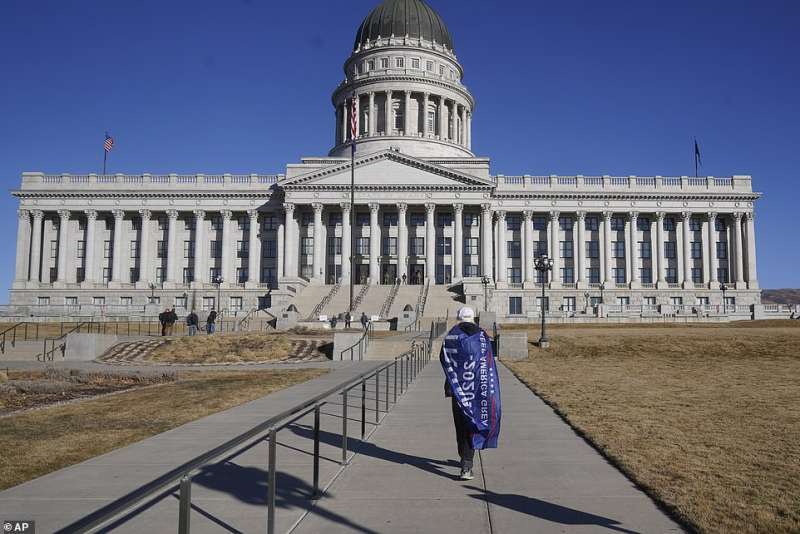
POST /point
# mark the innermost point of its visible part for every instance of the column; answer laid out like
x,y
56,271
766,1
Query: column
x,y
23,246
662,261
172,246
254,250
388,113
318,260
458,242
430,242
36,246
738,250
425,97
407,114
469,130
555,250
527,247
451,113
345,127
228,252
89,273
200,245
280,245
687,251
463,115
145,269
486,241
290,249
711,251
580,250
607,248
346,243
402,240
63,227
632,253
752,273
502,247
371,114
374,245
442,123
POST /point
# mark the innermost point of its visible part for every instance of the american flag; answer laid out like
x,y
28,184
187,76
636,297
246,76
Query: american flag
x,y
353,119
109,143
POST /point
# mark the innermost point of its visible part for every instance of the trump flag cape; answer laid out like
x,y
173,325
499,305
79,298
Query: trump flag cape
x,y
469,366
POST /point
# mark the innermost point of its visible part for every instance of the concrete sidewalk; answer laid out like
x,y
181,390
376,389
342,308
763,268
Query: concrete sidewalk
x,y
543,478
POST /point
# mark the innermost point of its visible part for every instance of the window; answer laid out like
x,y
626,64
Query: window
x,y
669,224
80,274
188,275
417,219
99,301
384,62
362,246
269,276
592,249
670,249
649,301
618,274
471,219
646,275
400,63
539,223
470,246
216,224
82,249
161,248
399,118
54,249
269,249
470,270
243,249
162,223
306,246
452,74
539,248
695,224
429,66
618,249
593,274
307,218
591,223
722,250
107,250
208,303
214,274
389,246
180,301
441,70
643,224
188,249
417,246
730,301
676,301
334,219
720,225
543,303
444,246
390,219
513,248
431,121
107,275
568,275
334,246
188,223
43,301
515,305
513,222
159,275
672,275
444,219
133,275
242,274
371,64
697,275
70,301
645,251
134,249
541,277
215,250
269,222
415,63
307,271
362,219
362,67
722,275
566,223
697,249
515,275
617,224
624,301
568,304
566,249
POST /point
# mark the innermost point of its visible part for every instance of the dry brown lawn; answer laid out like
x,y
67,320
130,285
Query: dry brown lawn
x,y
41,441
705,418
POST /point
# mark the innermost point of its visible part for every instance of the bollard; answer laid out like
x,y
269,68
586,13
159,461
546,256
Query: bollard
x,y
395,381
185,506
377,397
402,377
363,408
344,427
387,389
271,482
315,493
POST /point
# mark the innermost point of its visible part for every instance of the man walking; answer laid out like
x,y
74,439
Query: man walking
x,y
191,323
171,319
364,320
162,318
211,322
472,383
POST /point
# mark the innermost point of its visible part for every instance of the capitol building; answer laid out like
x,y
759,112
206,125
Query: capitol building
x,y
429,217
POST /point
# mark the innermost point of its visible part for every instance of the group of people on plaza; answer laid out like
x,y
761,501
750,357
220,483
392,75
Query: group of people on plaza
x,y
168,318
348,319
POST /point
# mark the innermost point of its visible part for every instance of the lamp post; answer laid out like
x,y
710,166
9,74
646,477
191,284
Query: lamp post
x,y
152,293
724,288
544,264
218,280
602,288
485,281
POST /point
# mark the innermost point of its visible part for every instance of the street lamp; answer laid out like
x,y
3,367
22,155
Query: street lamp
x,y
218,280
724,288
602,288
485,281
152,293
543,264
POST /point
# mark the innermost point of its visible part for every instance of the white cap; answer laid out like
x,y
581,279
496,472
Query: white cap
x,y
466,314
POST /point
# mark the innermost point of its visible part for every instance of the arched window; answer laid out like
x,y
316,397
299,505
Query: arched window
x,y
431,119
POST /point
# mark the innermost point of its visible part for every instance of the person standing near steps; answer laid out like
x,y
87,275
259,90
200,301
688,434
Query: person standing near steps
x,y
472,383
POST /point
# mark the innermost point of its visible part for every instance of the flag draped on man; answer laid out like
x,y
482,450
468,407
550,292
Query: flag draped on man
x,y
471,372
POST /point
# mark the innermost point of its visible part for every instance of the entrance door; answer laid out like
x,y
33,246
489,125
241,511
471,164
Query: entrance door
x,y
362,274
444,274
388,273
416,273
334,272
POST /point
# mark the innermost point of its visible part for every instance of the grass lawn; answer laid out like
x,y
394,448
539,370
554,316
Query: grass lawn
x,y
705,418
37,442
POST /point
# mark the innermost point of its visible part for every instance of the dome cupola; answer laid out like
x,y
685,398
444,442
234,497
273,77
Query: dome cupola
x,y
403,18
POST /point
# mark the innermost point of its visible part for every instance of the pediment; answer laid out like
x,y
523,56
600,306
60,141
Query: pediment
x,y
388,170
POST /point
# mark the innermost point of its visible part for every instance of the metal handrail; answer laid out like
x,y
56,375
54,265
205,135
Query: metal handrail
x,y
408,365
13,330
362,344
47,355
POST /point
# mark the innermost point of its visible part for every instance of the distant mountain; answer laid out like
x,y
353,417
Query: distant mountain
x,y
780,296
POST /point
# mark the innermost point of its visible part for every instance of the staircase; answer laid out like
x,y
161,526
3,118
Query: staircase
x,y
406,295
373,302
387,304
308,299
324,302
438,302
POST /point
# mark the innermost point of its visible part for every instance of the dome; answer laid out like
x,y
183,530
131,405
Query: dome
x,y
400,18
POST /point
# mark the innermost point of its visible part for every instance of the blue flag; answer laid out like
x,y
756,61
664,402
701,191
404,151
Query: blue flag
x,y
469,365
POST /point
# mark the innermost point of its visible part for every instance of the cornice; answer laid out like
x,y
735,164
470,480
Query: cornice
x,y
103,194
625,196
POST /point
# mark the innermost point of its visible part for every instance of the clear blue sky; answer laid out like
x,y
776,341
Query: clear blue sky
x,y
580,87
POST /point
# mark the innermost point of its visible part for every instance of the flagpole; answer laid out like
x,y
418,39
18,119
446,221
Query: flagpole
x,y
105,158
352,216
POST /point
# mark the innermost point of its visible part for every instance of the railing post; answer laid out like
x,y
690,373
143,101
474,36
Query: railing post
x,y
363,407
395,381
185,506
344,427
387,389
402,372
271,482
377,396
315,494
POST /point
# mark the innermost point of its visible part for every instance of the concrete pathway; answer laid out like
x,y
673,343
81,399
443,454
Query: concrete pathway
x,y
543,478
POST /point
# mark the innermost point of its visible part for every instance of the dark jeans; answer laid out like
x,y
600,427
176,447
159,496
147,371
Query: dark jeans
x,y
465,450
